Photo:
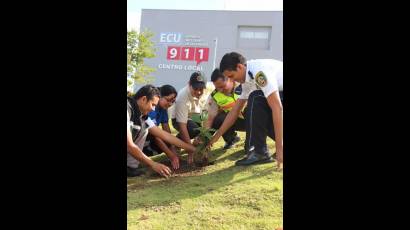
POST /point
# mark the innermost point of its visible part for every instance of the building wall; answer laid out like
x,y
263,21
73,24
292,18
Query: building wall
x,y
255,34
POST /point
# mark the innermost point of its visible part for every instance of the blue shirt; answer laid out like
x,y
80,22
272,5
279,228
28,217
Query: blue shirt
x,y
159,115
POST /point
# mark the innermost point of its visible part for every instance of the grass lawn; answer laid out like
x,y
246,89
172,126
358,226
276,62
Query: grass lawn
x,y
219,196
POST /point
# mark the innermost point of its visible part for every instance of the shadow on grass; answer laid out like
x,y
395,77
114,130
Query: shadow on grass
x,y
233,156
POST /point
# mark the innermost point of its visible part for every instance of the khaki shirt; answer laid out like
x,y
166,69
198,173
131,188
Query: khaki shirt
x,y
185,106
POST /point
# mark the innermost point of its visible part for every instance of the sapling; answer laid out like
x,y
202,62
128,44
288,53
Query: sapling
x,y
201,154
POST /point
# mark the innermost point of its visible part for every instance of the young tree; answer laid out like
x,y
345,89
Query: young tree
x,y
139,47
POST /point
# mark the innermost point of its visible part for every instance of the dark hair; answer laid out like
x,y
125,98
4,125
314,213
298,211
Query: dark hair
x,y
197,80
216,74
230,61
196,74
167,90
149,91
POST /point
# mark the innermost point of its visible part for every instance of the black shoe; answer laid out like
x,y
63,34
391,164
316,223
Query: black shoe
x,y
133,172
230,144
255,158
148,151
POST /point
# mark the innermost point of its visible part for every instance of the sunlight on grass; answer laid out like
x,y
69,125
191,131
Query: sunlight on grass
x,y
221,196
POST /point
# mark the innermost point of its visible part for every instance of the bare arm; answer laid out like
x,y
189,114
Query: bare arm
x,y
136,152
167,137
277,119
170,152
208,123
229,120
212,112
184,132
161,144
165,126
164,147
181,114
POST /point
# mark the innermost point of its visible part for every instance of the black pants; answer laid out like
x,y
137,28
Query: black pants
x,y
191,126
152,145
229,135
259,124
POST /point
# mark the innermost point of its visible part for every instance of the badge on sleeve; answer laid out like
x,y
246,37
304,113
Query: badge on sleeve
x,y
261,79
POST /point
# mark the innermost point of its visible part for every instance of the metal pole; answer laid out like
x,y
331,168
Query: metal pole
x,y
216,45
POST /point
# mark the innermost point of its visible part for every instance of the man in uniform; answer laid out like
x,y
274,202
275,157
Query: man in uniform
x,y
220,102
262,81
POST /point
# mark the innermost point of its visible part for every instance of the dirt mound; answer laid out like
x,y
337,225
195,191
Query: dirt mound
x,y
185,169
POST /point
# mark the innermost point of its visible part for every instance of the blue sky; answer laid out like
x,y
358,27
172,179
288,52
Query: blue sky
x,y
134,7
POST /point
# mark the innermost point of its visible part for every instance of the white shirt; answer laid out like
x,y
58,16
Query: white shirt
x,y
140,140
211,106
269,72
185,106
148,122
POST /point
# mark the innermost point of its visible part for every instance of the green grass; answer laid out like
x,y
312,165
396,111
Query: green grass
x,y
220,196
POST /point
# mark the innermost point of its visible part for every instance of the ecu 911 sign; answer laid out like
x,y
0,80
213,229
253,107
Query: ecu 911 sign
x,y
185,53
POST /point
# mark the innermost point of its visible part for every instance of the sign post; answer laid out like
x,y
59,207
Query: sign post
x,y
216,45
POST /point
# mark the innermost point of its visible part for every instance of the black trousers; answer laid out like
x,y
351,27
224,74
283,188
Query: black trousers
x,y
152,145
191,126
259,124
229,135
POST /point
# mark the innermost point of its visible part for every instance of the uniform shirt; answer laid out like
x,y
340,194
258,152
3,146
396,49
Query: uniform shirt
x,y
212,107
263,74
185,106
144,124
159,115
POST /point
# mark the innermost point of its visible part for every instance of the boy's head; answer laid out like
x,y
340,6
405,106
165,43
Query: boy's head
x,y
233,66
147,98
221,83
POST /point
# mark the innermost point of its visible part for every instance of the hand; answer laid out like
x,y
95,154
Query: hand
x,y
173,149
212,141
175,162
197,141
279,158
161,169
